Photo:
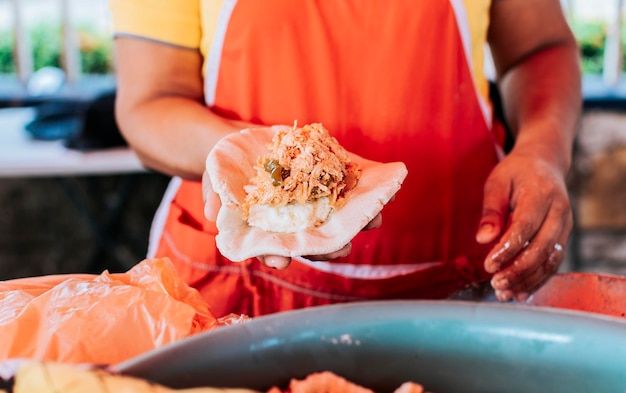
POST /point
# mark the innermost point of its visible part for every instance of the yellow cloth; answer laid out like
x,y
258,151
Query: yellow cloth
x,y
173,22
193,23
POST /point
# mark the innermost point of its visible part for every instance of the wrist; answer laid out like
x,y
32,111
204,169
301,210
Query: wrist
x,y
551,148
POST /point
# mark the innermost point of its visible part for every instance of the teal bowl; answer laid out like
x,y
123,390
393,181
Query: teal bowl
x,y
447,346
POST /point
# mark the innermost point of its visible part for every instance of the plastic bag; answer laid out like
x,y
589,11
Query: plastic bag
x,y
101,319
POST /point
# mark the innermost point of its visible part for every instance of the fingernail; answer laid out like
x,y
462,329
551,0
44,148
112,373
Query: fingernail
x,y
501,283
278,263
504,296
522,296
490,268
485,233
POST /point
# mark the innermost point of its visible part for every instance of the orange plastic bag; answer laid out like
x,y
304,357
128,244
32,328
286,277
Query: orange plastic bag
x,y
100,319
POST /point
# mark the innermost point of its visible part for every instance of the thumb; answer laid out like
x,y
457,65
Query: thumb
x,y
275,261
495,211
212,202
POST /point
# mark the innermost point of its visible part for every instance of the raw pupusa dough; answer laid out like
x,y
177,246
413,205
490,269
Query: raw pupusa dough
x,y
230,166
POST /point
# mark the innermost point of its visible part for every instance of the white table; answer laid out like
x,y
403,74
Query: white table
x,y
22,156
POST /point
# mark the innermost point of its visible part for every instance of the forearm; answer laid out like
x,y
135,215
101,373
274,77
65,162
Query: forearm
x,y
160,107
542,101
173,135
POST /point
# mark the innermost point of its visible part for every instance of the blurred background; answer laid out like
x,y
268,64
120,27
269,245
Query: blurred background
x,y
62,224
55,224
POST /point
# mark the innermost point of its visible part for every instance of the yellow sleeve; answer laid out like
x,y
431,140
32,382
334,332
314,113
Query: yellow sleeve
x,y
173,22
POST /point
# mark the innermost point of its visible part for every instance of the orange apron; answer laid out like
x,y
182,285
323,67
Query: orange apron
x,y
392,83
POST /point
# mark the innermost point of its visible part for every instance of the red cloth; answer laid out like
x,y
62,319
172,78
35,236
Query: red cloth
x,y
393,85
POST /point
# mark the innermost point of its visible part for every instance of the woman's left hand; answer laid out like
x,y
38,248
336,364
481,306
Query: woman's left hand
x,y
526,200
212,205
280,262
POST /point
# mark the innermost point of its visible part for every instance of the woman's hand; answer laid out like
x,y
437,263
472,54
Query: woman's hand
x,y
526,200
280,262
211,208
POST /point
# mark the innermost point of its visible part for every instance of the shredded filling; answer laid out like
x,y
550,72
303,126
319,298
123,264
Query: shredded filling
x,y
304,165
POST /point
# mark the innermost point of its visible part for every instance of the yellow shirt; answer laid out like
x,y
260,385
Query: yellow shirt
x,y
193,24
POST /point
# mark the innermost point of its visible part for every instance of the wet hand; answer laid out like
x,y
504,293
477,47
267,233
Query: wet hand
x,y
526,202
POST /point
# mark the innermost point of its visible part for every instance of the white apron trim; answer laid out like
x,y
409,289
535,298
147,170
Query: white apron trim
x,y
368,272
160,217
214,57
466,37
463,24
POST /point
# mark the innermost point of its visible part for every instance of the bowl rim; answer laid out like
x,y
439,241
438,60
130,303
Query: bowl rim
x,y
486,311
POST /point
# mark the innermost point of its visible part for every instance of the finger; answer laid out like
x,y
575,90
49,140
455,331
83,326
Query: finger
x,y
212,205
343,252
275,261
495,210
523,289
212,202
532,280
375,223
206,183
552,236
525,221
538,261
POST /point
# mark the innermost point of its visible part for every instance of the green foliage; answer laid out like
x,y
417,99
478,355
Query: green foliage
x,y
7,65
45,40
95,49
591,36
